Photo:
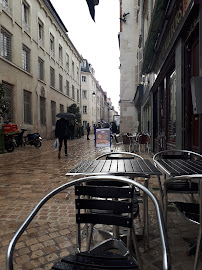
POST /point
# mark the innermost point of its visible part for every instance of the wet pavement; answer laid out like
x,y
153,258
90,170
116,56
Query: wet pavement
x,y
28,174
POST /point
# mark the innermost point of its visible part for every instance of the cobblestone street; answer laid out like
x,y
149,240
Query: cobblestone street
x,y
28,174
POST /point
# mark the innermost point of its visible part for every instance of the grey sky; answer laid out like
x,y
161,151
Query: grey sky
x,y
96,41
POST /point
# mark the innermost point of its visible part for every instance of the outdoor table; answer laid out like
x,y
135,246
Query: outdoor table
x,y
122,167
174,167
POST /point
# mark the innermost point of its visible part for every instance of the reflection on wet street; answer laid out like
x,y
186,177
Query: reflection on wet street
x,y
28,174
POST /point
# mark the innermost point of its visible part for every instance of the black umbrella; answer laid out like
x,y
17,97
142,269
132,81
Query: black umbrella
x,y
68,116
106,125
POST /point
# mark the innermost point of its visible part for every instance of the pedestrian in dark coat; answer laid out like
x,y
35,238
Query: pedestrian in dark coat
x,y
88,131
62,133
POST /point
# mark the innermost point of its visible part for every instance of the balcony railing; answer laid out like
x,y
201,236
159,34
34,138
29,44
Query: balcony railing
x,y
6,7
26,27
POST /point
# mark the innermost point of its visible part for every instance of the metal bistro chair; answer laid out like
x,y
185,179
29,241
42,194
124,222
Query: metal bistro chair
x,y
186,187
191,211
143,140
97,257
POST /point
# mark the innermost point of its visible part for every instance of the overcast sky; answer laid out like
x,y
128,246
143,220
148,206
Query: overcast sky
x,y
96,41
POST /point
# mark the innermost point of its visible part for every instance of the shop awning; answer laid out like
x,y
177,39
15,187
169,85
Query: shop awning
x,y
138,95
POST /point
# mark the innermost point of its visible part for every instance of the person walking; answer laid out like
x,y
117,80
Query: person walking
x,y
62,132
88,131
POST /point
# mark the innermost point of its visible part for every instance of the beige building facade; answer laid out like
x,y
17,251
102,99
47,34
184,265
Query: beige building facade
x,y
96,106
39,65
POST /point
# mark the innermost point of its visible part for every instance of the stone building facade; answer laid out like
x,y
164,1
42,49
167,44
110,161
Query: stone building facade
x,y
39,65
128,38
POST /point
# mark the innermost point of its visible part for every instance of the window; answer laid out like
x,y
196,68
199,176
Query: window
x,y
27,107
9,98
84,109
52,47
67,88
41,69
73,96
67,62
172,108
42,111
5,44
83,64
61,108
77,96
60,83
26,58
60,54
52,77
25,16
53,112
83,78
84,124
40,32
73,69
84,94
77,71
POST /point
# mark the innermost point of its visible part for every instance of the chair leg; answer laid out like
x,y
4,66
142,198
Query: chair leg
x,y
89,237
198,249
137,252
161,190
165,206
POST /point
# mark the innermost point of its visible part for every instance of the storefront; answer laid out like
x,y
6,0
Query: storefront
x,y
175,62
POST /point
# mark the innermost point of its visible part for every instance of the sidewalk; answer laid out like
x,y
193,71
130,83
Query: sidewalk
x,y
28,174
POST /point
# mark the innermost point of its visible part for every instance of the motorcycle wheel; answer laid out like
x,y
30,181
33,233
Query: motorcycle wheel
x,y
9,146
37,144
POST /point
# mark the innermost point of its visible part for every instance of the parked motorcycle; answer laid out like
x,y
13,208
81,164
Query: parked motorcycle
x,y
9,143
33,139
30,139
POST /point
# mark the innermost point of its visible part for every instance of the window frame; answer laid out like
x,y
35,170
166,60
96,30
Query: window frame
x,y
73,92
60,54
40,32
84,109
6,36
67,88
27,107
26,16
26,58
52,46
52,77
41,65
42,111
60,83
53,112
84,94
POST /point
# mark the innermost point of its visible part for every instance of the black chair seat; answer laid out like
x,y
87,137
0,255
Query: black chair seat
x,y
182,186
189,210
93,260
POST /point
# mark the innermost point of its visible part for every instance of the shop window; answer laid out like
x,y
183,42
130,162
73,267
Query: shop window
x,y
172,108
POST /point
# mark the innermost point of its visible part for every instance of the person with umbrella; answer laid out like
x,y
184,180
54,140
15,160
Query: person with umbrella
x,y
62,131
